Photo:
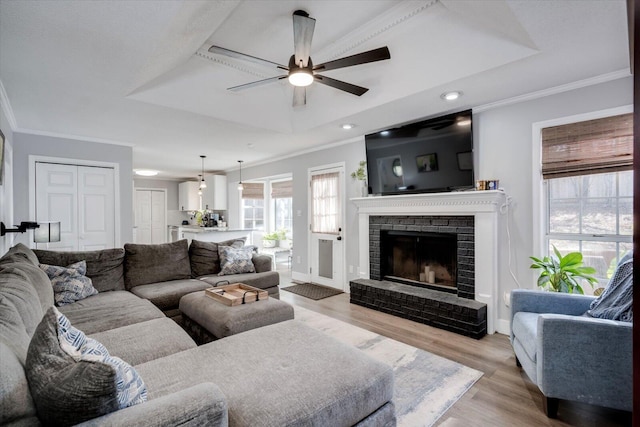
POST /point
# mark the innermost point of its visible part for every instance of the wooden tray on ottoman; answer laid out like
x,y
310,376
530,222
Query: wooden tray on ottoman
x,y
236,294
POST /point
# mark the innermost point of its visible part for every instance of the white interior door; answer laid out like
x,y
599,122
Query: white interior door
x,y
57,200
150,216
82,198
326,226
96,215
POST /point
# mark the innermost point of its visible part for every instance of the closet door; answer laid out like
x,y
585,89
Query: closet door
x,y
150,216
96,216
57,200
82,199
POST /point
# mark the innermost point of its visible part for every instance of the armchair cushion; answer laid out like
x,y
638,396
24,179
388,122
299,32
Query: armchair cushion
x,y
525,327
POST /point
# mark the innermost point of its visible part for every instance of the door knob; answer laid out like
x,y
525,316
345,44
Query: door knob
x,y
339,238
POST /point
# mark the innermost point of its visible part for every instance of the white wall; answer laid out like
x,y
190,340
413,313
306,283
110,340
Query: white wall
x,y
503,144
29,144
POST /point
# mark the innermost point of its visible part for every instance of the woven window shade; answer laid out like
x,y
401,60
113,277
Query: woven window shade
x,y
593,146
252,190
282,189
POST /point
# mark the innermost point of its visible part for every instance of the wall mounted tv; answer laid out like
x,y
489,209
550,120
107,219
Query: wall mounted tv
x,y
434,155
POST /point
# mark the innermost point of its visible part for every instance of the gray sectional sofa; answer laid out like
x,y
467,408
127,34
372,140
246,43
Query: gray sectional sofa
x,y
286,374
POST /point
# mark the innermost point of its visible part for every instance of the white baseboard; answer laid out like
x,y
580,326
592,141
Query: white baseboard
x,y
300,277
503,327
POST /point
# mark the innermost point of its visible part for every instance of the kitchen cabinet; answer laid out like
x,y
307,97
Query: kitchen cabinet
x,y
214,197
188,198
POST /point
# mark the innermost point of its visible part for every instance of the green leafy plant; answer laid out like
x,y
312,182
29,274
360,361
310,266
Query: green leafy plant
x,y
360,174
271,236
562,273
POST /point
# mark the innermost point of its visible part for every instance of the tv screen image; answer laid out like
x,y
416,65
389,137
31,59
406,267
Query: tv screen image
x,y
433,155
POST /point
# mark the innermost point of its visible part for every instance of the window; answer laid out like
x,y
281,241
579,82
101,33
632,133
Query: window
x,y
589,191
253,205
325,203
282,202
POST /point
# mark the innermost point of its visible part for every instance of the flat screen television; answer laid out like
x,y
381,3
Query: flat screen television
x,y
434,155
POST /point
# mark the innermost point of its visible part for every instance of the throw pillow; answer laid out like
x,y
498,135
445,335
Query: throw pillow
x,y
616,302
235,260
73,378
69,283
204,256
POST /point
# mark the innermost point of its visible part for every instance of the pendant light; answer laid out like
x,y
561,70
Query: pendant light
x,y
200,188
240,186
203,184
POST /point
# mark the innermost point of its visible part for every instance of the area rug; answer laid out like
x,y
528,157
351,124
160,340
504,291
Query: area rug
x,y
314,292
426,385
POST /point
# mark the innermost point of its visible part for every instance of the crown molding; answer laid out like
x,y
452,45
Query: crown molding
x,y
204,53
73,137
603,78
6,108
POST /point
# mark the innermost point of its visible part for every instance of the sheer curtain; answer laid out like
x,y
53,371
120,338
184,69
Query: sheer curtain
x,y
325,203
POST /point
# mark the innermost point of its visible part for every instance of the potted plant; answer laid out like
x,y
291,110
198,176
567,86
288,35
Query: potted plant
x,y
283,241
563,273
270,240
360,175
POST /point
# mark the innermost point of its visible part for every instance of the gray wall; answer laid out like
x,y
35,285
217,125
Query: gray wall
x,y
6,189
503,145
29,144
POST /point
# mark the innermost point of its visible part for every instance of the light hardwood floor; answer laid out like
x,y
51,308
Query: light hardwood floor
x,y
504,396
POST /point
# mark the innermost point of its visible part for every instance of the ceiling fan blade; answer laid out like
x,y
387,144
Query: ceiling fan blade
x,y
256,83
374,55
303,27
299,96
338,84
237,55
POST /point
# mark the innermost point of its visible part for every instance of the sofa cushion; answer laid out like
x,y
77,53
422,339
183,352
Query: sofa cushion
x,y
166,295
20,251
156,263
307,378
235,260
109,310
15,398
204,256
34,276
105,267
266,280
69,283
12,330
145,341
525,329
16,287
73,379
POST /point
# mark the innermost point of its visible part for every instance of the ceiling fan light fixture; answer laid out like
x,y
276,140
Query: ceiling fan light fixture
x,y
451,96
300,77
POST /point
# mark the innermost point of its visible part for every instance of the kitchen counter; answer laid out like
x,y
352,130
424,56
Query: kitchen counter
x,y
212,234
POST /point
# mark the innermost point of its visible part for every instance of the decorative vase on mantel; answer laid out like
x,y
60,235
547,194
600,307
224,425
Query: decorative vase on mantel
x,y
364,189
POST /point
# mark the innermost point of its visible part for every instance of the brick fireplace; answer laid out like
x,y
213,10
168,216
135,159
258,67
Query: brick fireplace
x,y
470,218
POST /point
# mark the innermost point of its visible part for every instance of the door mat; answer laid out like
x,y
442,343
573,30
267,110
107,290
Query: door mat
x,y
311,291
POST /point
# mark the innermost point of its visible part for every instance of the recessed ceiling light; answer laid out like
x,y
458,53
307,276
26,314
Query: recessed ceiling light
x,y
384,133
146,172
451,96
348,126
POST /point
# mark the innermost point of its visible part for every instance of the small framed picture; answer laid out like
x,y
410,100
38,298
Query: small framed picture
x,y
465,160
427,162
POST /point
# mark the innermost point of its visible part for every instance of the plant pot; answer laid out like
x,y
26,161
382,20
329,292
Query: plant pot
x,y
285,244
269,243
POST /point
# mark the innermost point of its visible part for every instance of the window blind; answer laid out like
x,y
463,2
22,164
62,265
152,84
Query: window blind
x,y
282,189
593,146
253,190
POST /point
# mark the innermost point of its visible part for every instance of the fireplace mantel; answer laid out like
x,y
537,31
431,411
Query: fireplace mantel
x,y
483,205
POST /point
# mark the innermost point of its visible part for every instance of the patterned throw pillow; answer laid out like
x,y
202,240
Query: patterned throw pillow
x,y
235,260
73,378
69,283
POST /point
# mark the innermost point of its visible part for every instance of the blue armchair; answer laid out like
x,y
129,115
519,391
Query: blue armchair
x,y
568,355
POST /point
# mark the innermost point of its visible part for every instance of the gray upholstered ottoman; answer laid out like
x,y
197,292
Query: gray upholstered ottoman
x,y
207,320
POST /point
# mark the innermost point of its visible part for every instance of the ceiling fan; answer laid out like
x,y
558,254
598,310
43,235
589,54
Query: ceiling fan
x,y
301,72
